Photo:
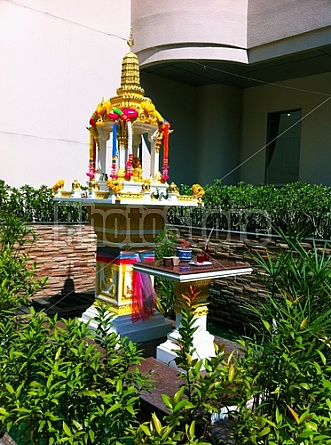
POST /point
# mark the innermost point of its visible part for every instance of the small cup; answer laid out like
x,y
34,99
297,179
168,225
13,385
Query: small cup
x,y
200,258
167,261
175,260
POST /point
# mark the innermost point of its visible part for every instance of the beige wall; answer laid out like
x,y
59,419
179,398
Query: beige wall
x,y
240,31
195,29
311,95
270,21
58,59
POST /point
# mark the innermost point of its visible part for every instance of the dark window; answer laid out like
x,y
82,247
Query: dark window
x,y
283,149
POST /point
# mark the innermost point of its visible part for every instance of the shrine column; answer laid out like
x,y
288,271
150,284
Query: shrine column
x,y
155,159
103,137
125,235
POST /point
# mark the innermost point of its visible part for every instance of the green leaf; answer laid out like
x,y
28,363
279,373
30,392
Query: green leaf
x,y
157,424
9,388
192,429
178,395
145,429
323,358
266,325
264,431
92,435
66,429
113,408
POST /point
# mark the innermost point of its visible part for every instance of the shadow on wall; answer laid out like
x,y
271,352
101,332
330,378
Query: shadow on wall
x,y
67,303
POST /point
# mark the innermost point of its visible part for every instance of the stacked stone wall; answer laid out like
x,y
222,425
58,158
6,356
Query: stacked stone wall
x,y
66,255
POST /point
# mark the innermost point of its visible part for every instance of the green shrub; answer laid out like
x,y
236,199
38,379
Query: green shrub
x,y
285,370
165,246
62,383
18,280
37,205
206,385
278,390
296,208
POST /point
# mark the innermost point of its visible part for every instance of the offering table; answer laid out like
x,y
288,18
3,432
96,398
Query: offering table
x,y
198,277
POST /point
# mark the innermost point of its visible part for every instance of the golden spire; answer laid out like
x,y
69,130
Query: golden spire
x,y
130,93
130,40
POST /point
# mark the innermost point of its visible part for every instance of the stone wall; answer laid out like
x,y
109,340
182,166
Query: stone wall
x,y
66,255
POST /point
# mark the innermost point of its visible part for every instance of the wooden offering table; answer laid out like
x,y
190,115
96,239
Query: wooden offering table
x,y
198,276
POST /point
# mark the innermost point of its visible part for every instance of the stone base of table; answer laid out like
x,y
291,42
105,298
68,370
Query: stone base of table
x,y
140,331
203,343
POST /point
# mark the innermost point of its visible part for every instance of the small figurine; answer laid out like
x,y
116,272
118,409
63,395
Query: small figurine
x,y
76,185
173,188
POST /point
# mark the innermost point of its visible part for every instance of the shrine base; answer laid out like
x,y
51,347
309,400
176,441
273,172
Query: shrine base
x,y
203,343
140,331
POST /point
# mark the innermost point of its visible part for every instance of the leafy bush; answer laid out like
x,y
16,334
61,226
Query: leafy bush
x,y
285,370
37,205
18,281
278,390
165,246
206,384
295,208
62,383
285,374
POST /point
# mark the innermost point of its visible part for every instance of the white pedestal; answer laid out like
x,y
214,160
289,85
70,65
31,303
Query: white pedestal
x,y
203,342
141,331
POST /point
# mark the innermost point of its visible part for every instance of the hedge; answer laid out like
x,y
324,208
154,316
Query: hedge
x,y
295,208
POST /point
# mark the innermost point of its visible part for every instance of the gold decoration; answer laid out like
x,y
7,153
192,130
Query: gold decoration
x,y
58,185
115,185
173,188
65,194
146,187
76,185
131,195
186,198
198,191
101,194
93,185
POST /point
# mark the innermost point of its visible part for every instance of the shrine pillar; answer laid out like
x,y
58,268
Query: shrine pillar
x,y
125,235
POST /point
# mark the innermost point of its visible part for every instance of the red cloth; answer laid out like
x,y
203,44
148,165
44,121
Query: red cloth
x,y
143,297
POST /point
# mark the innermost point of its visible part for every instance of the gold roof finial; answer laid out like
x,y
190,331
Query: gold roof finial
x,y
130,40
130,93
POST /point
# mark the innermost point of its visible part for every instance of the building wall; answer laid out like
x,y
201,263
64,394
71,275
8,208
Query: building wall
x,y
205,144
312,95
226,29
58,59
218,133
189,29
273,21
177,103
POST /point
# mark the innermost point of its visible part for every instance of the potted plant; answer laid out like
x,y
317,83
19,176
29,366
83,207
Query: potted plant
x,y
184,252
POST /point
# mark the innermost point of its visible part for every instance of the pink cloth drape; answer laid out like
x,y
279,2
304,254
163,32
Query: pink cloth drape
x,y
143,297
